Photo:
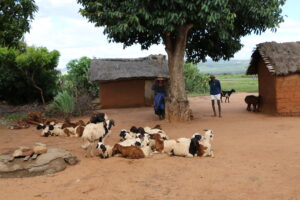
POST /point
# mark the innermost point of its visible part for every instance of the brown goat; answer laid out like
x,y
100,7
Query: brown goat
x,y
132,152
159,143
67,123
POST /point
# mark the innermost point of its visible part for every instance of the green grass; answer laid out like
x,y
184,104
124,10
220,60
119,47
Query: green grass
x,y
239,82
15,116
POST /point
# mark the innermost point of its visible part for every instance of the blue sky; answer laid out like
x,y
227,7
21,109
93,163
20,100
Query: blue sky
x,y
58,25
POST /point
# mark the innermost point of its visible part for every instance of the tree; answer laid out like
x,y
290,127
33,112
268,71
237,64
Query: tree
x,y
26,76
15,16
77,77
195,29
195,82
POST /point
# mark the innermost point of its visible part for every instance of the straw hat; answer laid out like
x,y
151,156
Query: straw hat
x,y
160,78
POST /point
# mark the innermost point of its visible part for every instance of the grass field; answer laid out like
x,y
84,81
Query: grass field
x,y
239,82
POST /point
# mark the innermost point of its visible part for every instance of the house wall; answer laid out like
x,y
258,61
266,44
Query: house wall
x,y
125,93
288,94
266,85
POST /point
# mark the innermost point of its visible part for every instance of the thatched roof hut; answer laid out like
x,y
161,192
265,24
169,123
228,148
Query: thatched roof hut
x,y
280,58
127,82
278,69
121,69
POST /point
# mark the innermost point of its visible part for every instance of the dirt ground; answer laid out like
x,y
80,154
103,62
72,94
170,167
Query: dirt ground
x,y
256,157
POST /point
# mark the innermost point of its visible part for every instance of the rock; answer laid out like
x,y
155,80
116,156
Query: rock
x,y
40,144
27,153
26,158
17,153
24,148
53,161
39,149
34,156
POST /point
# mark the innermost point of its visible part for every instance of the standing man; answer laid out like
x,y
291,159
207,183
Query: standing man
x,y
215,93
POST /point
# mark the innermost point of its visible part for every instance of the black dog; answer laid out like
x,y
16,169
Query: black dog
x,y
226,94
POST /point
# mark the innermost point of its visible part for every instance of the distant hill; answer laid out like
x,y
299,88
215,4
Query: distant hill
x,y
224,67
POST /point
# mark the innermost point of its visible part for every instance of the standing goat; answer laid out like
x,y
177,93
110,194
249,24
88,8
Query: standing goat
x,y
226,94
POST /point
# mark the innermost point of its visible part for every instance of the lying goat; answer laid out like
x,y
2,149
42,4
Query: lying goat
x,y
226,94
132,152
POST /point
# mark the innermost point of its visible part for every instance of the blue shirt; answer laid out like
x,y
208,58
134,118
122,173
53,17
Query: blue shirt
x,y
215,87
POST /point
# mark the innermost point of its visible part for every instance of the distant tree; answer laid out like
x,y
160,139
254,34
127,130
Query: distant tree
x,y
29,75
15,17
195,29
194,80
76,80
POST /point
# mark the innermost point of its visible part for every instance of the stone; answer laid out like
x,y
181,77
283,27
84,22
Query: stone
x,y
39,149
53,161
17,153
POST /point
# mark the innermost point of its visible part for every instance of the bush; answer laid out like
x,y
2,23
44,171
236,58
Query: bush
x,y
63,103
194,81
15,116
28,75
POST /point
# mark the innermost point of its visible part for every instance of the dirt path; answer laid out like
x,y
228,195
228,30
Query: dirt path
x,y
256,157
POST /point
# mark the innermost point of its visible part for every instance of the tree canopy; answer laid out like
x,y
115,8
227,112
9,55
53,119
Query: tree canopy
x,y
15,17
193,29
28,76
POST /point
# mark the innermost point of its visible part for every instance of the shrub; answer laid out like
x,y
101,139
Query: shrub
x,y
15,116
63,103
194,81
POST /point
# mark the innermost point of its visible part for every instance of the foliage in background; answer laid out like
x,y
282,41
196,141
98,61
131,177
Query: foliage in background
x,y
76,80
15,116
24,74
194,81
63,103
15,16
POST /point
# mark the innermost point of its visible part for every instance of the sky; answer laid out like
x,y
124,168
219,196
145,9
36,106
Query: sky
x,y
58,25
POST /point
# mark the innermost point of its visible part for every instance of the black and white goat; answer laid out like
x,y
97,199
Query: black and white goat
x,y
96,132
226,94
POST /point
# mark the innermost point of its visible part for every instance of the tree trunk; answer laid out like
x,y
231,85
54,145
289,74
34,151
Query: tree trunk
x,y
41,92
177,105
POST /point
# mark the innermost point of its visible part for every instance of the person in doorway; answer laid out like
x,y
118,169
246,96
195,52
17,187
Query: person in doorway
x,y
160,93
215,93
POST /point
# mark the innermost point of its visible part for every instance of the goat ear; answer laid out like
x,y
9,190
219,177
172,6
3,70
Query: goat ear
x,y
100,139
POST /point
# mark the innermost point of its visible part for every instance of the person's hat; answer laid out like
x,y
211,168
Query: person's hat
x,y
212,76
160,78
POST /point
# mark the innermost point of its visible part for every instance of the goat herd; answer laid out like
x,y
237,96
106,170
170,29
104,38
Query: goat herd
x,y
134,143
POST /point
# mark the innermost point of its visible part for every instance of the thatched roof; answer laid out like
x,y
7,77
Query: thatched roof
x,y
119,69
280,58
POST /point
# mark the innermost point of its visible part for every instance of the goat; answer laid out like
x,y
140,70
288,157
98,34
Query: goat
x,y
132,152
255,101
93,132
51,130
124,135
156,130
105,150
67,123
98,118
206,142
226,94
187,147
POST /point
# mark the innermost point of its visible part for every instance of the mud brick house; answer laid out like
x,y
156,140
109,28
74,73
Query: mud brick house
x,y
127,82
278,69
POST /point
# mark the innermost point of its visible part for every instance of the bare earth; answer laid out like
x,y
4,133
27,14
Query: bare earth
x,y
256,157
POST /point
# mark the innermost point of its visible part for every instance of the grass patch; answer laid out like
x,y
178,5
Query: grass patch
x,y
240,85
15,116
239,82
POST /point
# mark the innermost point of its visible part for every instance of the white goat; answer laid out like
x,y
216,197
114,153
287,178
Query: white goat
x,y
104,150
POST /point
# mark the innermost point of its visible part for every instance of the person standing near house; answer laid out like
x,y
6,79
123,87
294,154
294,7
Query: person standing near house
x,y
160,93
215,93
